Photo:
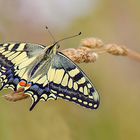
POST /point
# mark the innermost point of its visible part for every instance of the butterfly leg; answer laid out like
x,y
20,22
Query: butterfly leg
x,y
16,95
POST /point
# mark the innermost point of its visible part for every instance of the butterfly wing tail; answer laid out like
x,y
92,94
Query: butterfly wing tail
x,y
34,104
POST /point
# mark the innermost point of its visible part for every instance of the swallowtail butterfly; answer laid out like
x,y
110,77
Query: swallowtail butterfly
x,y
44,73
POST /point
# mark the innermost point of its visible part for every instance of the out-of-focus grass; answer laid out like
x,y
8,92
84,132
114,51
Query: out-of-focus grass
x,y
54,120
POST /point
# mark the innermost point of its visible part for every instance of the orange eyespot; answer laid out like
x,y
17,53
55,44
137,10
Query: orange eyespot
x,y
22,83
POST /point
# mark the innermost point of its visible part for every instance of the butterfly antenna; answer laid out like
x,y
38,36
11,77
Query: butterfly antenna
x,y
50,34
67,38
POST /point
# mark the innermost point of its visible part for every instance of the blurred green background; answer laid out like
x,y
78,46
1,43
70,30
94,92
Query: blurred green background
x,y
116,78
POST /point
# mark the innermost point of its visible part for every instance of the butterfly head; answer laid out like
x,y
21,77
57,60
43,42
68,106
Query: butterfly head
x,y
49,50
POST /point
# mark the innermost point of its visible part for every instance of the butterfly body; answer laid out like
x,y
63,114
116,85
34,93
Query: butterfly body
x,y
44,73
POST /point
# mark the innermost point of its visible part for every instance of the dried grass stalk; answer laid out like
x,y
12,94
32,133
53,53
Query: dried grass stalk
x,y
91,48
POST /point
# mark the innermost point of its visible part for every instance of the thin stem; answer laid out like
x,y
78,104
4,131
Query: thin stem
x,y
133,55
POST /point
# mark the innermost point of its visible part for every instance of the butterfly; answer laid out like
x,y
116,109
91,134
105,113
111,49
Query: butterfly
x,y
44,73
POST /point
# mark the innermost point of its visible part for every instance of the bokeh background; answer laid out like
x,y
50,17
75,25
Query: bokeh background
x,y
116,78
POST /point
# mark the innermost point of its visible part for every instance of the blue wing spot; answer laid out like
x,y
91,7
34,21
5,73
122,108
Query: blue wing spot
x,y
10,80
47,89
9,71
9,76
40,91
34,87
16,81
